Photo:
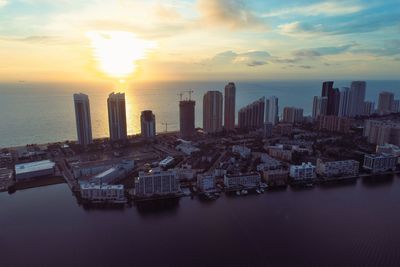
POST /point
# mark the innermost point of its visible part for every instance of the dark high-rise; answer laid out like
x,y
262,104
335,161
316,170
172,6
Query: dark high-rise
x,y
333,95
326,87
148,124
186,118
212,112
117,116
229,110
82,116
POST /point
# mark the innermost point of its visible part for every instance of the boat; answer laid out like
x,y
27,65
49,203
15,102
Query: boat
x,y
244,192
258,191
262,190
238,193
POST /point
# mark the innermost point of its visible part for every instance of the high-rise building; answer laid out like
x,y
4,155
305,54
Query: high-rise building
x,y
212,112
334,124
229,111
344,102
252,116
272,110
148,124
369,108
186,118
82,117
385,103
333,96
396,106
382,132
326,87
357,98
292,115
117,116
320,105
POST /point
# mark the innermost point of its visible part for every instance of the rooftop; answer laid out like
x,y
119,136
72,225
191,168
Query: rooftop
x,y
33,166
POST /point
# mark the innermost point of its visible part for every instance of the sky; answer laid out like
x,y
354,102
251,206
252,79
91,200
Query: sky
x,y
154,40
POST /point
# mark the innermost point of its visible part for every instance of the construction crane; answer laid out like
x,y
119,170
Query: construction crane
x,y
187,91
166,125
190,93
180,95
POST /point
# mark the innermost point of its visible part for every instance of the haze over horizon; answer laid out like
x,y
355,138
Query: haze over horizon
x,y
95,41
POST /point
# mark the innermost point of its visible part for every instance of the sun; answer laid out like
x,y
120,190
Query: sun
x,y
117,52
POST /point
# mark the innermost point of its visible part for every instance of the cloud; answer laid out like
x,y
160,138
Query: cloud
x,y
329,8
233,14
3,3
298,27
250,59
305,67
40,39
364,23
389,48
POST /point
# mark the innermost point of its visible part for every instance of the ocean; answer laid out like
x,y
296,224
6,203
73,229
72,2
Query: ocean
x,y
354,224
41,113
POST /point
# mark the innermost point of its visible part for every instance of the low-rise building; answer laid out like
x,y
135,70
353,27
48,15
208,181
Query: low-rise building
x,y
205,182
94,192
376,163
156,183
30,170
187,148
165,163
5,159
388,149
304,171
277,177
337,168
6,177
268,163
280,152
246,180
284,129
335,124
114,174
243,151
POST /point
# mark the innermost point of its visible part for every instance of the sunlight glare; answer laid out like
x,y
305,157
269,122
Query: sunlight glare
x,y
118,52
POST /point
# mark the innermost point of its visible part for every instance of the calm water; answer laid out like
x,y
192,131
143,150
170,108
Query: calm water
x,y
346,225
41,113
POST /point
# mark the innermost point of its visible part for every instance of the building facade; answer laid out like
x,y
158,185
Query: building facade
x,y
377,163
369,108
277,177
334,124
30,170
186,118
156,183
320,106
337,168
148,124
230,107
382,132
272,110
292,115
305,171
357,98
385,103
245,180
205,182
103,193
82,118
252,116
117,116
212,112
